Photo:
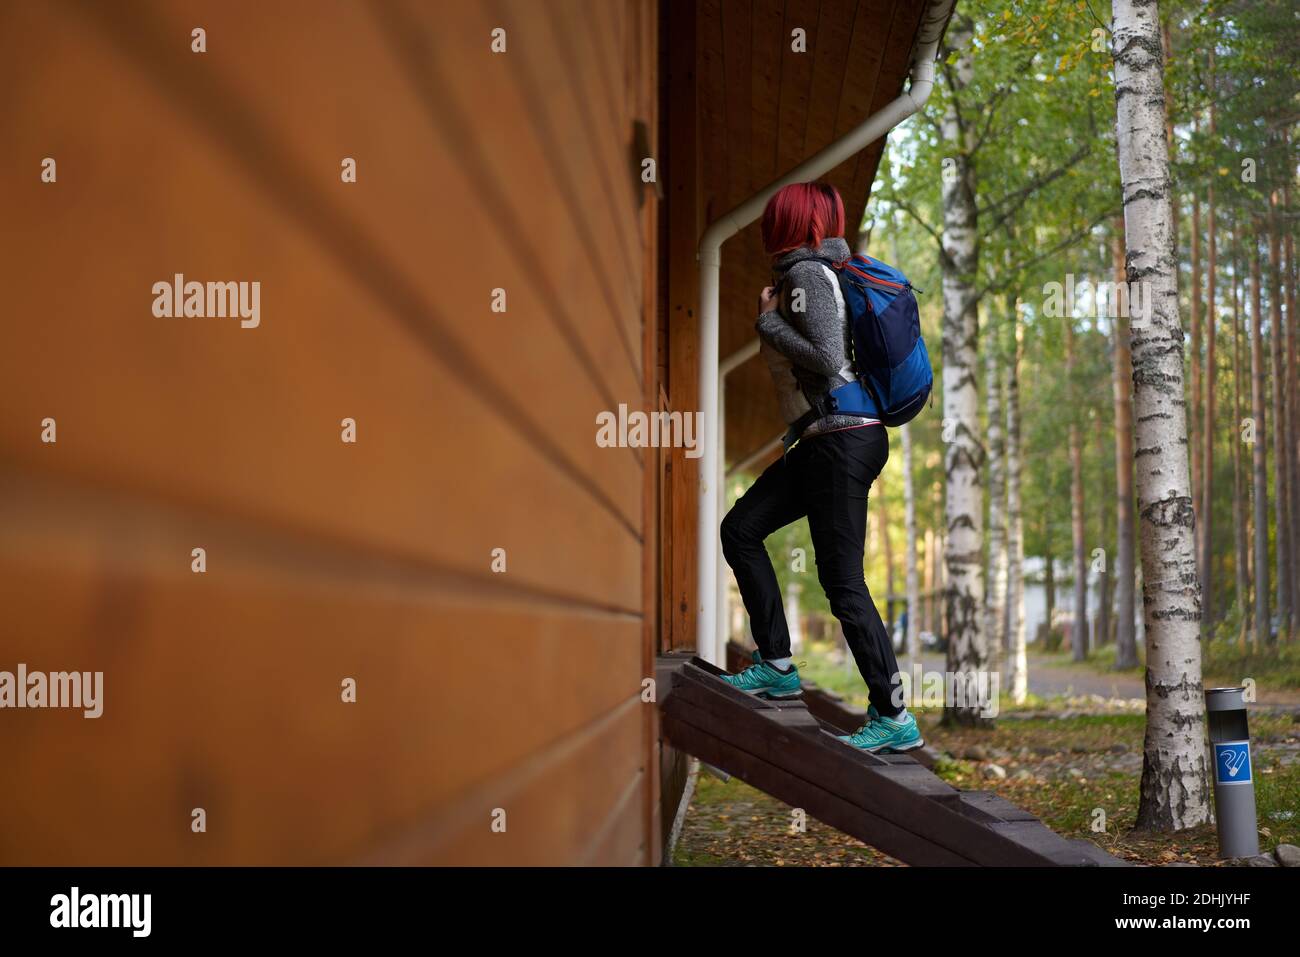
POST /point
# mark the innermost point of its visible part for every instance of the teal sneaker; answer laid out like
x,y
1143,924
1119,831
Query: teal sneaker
x,y
885,734
760,678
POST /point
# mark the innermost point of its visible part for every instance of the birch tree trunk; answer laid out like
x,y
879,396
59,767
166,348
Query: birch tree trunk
x,y
940,570
1049,574
913,576
1017,669
1126,576
929,582
1281,428
794,616
936,560
1174,792
963,550
1259,448
1078,535
995,574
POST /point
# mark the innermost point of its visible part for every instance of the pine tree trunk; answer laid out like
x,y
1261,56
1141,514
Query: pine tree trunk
x,y
964,518
1205,518
1293,403
1281,428
1174,791
913,576
1125,633
1017,664
1241,562
1259,450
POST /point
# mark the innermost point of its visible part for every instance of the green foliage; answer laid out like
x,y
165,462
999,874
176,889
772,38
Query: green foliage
x,y
1038,117
1227,663
1039,112
1038,122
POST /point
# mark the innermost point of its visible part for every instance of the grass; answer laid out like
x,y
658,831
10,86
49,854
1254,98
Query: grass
x,y
1099,659
1223,662
1069,804
816,665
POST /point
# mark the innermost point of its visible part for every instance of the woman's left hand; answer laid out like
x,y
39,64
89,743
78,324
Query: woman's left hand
x,y
768,300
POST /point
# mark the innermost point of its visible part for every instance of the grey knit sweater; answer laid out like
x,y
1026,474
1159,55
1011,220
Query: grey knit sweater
x,y
807,350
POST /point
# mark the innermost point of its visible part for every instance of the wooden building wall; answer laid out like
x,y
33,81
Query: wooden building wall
x,y
325,561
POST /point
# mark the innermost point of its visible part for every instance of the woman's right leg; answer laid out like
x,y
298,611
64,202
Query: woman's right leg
x,y
835,476
771,503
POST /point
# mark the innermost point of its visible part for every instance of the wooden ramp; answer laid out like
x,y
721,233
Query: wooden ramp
x,y
888,801
825,705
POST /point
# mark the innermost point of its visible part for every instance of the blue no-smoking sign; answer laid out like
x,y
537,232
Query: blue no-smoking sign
x,y
1232,762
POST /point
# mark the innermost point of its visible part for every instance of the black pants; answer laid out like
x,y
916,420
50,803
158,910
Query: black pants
x,y
825,477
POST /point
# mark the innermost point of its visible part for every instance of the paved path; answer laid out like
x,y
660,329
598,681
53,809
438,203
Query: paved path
x,y
1049,677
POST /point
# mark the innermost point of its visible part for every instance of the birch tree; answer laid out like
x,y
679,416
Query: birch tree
x,y
999,134
1017,666
1125,574
963,453
913,574
1174,792
996,561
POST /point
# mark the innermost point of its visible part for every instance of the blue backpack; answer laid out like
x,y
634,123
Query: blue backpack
x,y
893,366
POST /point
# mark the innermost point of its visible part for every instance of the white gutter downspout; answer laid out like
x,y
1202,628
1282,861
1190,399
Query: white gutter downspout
x,y
725,368
709,637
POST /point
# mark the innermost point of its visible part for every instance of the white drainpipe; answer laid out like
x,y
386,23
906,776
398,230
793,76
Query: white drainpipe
x,y
725,368
709,628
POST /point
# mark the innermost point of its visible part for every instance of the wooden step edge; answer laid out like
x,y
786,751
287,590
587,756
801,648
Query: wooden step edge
x,y
826,806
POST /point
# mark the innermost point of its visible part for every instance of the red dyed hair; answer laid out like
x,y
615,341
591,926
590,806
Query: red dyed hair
x,y
802,214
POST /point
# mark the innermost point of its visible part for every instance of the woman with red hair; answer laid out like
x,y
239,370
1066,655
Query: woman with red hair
x,y
805,339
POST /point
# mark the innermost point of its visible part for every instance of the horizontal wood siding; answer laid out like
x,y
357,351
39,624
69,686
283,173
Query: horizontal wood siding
x,y
476,431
